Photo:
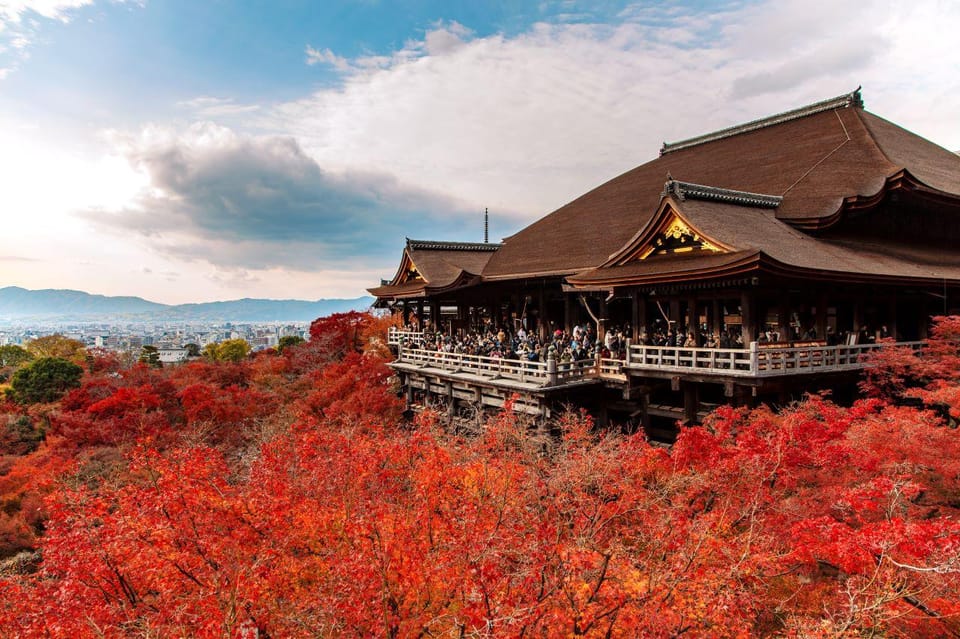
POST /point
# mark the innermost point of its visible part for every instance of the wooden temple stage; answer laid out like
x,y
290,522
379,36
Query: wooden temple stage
x,y
538,388
778,252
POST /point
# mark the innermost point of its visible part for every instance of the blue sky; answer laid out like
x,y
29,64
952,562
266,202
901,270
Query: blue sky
x,y
192,151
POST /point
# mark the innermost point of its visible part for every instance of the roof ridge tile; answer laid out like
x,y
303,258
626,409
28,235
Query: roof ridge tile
x,y
437,245
684,190
853,99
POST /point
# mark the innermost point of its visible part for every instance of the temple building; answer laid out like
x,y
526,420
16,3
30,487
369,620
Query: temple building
x,y
750,264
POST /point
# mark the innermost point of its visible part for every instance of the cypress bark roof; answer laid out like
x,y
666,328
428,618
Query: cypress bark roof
x,y
819,160
431,266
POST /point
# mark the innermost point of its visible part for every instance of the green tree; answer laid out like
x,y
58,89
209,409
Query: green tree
x,y
288,340
231,350
58,346
151,356
19,437
44,380
13,355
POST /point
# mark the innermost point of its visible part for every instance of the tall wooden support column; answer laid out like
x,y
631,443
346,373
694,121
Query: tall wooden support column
x,y
603,315
783,319
567,313
857,313
747,320
892,316
451,402
645,412
435,314
691,403
405,312
639,317
405,383
675,319
716,320
924,327
420,314
544,329
693,319
822,316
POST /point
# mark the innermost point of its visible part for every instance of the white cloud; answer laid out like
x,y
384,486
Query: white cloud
x,y
523,124
445,38
326,56
13,10
258,202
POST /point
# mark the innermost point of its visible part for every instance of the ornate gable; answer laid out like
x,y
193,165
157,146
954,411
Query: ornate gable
x,y
678,237
669,233
408,272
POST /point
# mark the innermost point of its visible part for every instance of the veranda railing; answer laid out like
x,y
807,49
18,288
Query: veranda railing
x,y
549,373
754,361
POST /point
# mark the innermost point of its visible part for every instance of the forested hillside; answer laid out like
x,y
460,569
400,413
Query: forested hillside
x,y
285,496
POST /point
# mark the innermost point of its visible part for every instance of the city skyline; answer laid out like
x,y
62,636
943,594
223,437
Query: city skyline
x,y
189,152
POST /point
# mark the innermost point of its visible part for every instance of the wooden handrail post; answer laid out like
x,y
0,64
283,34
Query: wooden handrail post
x,y
551,366
627,357
754,358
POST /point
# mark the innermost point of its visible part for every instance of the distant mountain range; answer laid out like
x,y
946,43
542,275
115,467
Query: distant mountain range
x,y
53,304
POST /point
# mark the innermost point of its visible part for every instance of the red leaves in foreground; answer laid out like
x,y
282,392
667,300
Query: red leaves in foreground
x,y
818,521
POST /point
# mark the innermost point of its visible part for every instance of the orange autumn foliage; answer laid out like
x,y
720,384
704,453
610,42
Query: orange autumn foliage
x,y
819,520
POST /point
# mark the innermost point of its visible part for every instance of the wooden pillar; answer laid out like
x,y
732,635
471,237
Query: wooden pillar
x,y
463,318
435,314
857,313
693,319
924,326
892,316
691,403
603,418
639,316
675,318
747,312
602,315
405,380
716,321
567,313
405,312
420,314
551,366
451,402
645,412
783,318
542,306
822,315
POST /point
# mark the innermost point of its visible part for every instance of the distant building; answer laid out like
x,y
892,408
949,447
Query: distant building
x,y
172,355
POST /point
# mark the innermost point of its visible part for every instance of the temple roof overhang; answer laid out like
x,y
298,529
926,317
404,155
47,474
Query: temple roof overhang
x,y
430,267
704,233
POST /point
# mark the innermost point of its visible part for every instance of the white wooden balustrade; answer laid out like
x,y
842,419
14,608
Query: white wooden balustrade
x,y
394,335
756,361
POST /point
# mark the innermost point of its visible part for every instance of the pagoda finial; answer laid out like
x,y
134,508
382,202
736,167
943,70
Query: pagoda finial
x,y
486,225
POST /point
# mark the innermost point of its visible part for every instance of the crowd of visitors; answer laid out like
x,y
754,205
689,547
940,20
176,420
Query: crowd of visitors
x,y
578,344
581,342
661,335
